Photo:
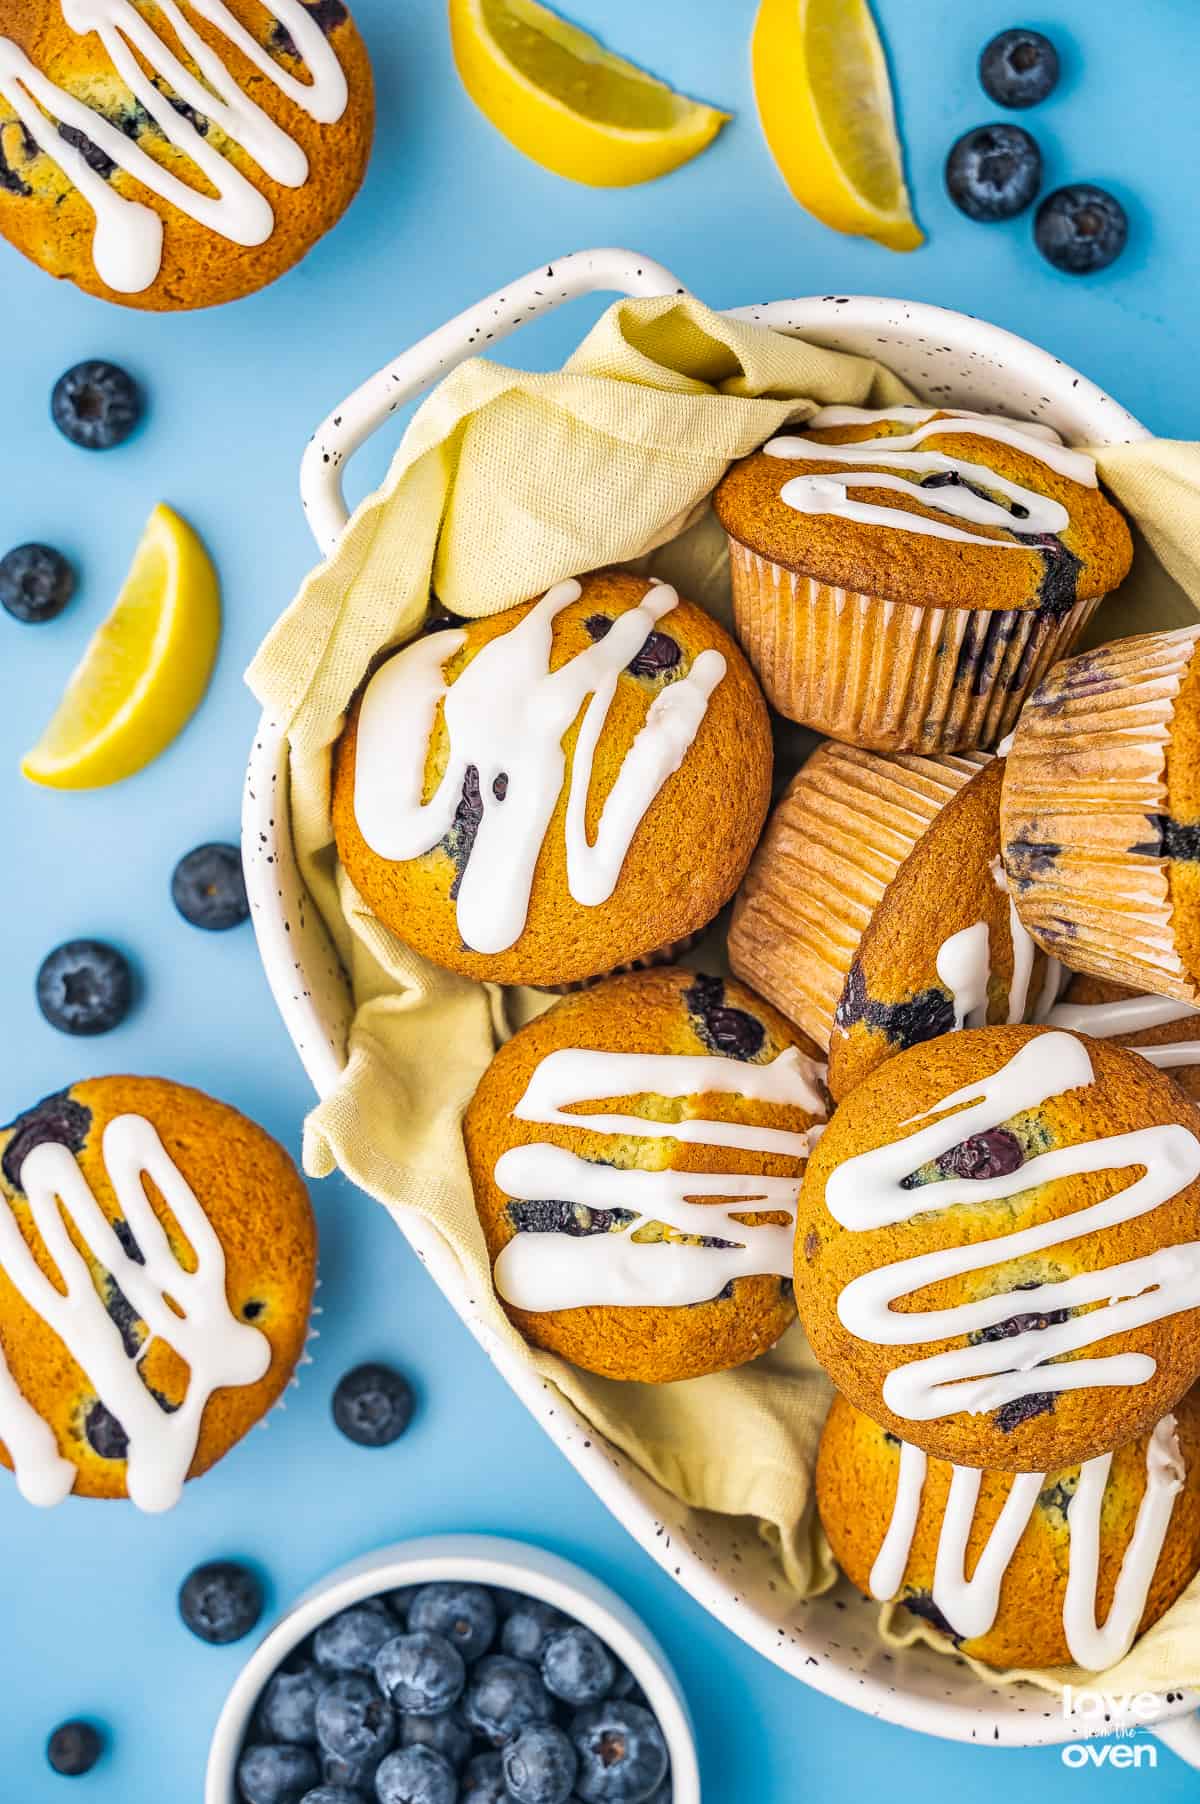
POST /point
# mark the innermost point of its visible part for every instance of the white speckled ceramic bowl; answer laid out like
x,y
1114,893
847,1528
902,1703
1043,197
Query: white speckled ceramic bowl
x,y
828,1642
475,1559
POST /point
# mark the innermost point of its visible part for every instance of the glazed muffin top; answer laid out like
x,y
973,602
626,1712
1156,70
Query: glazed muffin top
x,y
194,171
979,512
165,1197
1159,1028
995,1247
906,1528
556,790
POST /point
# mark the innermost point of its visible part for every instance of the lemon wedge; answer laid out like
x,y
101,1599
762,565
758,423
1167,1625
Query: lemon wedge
x,y
145,670
569,103
825,102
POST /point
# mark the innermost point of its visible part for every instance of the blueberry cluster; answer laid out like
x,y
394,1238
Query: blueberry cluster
x,y
995,171
453,1693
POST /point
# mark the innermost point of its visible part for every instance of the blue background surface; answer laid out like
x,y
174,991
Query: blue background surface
x,y
87,1614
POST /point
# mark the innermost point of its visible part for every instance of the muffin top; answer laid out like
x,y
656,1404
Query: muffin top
x,y
906,1528
995,1246
939,508
636,1153
539,796
155,1311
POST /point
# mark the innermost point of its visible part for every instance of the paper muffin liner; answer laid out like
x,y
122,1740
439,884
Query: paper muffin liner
x,y
1086,768
662,955
845,825
886,674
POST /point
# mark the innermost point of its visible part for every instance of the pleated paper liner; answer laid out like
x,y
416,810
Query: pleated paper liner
x,y
845,825
1086,769
888,675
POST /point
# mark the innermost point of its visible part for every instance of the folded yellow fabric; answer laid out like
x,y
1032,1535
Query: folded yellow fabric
x,y
505,483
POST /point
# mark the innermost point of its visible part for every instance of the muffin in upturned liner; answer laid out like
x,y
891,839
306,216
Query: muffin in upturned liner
x,y
557,790
1161,1029
192,172
874,913
165,1197
996,1247
1100,814
903,578
656,1244
884,1509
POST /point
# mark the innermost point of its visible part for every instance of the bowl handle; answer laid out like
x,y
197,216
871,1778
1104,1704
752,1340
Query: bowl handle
x,y
354,420
1182,1736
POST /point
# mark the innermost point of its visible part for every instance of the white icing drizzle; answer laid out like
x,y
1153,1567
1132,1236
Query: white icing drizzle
x,y
964,965
505,715
1130,1015
217,1349
127,245
819,494
971,1606
540,1271
865,1193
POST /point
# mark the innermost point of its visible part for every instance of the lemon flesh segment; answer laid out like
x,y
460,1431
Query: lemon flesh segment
x,y
568,103
825,103
144,672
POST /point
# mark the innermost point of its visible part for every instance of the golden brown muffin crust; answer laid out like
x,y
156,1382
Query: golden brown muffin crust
x,y
259,1207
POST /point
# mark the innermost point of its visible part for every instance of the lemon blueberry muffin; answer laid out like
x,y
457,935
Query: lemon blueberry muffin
x,y
656,1243
1101,813
559,789
902,578
995,1247
156,1310
1159,1028
896,1533
874,912
170,157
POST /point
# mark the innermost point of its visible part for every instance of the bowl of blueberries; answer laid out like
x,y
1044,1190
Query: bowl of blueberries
x,y
461,1669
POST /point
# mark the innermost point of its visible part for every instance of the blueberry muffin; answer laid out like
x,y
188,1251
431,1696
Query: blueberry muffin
x,y
1101,813
1162,1030
884,1509
995,1247
184,1242
656,1244
874,912
169,159
559,789
902,578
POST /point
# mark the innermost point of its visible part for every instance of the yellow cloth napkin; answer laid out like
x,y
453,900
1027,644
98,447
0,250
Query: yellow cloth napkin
x,y
505,483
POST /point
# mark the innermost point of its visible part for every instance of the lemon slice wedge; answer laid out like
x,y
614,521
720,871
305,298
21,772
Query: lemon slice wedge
x,y
144,672
825,102
567,102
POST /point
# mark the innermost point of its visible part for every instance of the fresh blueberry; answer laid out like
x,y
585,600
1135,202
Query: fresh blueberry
x,y
208,888
539,1765
577,1667
503,1696
994,171
416,1776
525,1630
354,1775
622,1754
624,1683
84,987
353,1721
332,1794
664,1794
399,1602
1018,68
373,1405
350,1641
1080,229
276,1773
36,583
423,1674
447,1733
220,1601
464,1614
74,1748
288,1705
483,1781
96,405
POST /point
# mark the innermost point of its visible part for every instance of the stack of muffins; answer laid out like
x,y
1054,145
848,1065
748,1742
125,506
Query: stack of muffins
x,y
965,956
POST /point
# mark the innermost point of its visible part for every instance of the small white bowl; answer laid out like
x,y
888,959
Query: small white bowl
x,y
483,1560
